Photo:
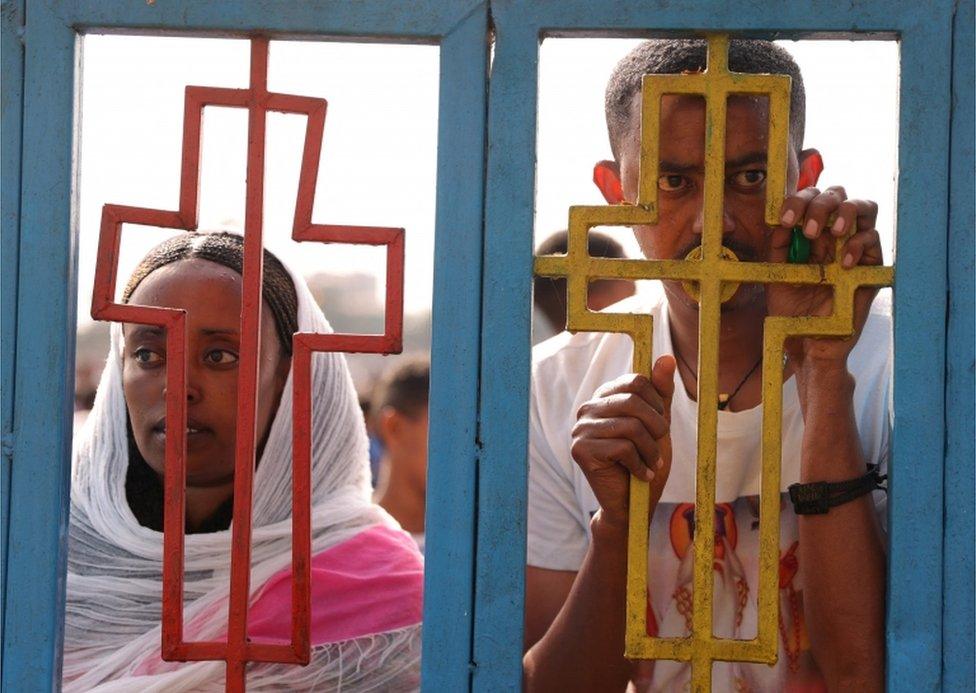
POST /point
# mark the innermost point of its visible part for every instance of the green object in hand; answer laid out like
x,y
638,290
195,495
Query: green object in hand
x,y
799,251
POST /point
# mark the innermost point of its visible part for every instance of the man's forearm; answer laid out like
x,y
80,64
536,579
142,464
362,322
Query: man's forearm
x,y
841,552
583,648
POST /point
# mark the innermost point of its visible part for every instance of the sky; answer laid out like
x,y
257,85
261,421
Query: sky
x,y
378,163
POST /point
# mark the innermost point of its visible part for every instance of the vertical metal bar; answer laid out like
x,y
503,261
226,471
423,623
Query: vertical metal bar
x,y
502,477
454,444
301,532
957,555
11,107
43,384
914,609
247,382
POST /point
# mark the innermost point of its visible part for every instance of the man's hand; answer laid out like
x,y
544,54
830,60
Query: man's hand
x,y
626,429
813,208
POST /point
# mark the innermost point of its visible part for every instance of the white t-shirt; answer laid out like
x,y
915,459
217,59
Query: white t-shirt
x,y
567,370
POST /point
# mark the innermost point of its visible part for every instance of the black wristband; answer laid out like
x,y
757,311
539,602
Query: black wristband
x,y
820,496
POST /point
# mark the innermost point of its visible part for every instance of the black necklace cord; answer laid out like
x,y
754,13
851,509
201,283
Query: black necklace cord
x,y
722,404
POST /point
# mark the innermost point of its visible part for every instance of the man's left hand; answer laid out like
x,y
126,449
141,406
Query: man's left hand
x,y
813,209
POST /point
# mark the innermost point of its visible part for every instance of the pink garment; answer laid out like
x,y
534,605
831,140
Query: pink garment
x,y
368,584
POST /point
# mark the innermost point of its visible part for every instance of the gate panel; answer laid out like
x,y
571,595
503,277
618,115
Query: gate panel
x,y
914,629
42,417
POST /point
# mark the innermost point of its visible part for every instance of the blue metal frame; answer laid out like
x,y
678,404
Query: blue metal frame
x,y
40,380
479,389
915,596
959,670
12,105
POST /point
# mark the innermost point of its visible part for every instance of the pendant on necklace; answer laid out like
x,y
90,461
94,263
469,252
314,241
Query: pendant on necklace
x,y
723,401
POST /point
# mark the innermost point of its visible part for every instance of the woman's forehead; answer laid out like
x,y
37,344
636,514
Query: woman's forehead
x,y
195,279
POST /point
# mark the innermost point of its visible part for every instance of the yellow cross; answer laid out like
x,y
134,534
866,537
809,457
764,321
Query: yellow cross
x,y
715,275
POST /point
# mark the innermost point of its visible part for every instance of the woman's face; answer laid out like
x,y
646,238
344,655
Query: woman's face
x,y
211,296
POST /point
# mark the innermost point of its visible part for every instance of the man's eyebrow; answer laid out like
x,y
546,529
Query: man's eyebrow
x,y
746,159
674,167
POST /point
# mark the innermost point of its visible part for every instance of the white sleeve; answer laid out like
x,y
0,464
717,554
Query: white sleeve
x,y
556,538
880,497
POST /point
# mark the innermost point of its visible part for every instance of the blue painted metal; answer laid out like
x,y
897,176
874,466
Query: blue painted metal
x,y
11,108
959,669
419,20
915,591
502,477
914,607
456,341
44,378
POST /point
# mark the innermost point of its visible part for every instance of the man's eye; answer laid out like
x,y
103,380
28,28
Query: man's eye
x,y
672,183
749,179
147,357
221,357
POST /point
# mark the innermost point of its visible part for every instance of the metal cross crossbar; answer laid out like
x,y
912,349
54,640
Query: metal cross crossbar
x,y
238,650
716,275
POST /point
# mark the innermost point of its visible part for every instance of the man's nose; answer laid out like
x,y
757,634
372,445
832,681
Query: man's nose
x,y
728,226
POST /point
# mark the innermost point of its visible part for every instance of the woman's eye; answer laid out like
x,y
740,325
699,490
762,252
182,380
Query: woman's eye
x,y
672,183
147,357
749,179
221,357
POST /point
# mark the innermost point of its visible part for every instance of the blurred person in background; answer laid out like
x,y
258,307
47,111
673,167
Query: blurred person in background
x,y
399,407
375,444
549,295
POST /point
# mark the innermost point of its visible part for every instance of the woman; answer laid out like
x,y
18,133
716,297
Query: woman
x,y
366,573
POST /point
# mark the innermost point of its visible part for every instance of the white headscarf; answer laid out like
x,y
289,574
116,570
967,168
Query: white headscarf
x,y
114,584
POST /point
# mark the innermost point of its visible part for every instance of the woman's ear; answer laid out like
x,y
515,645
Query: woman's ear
x,y
606,175
811,166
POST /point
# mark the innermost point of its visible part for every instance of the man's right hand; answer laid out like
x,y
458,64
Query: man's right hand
x,y
626,429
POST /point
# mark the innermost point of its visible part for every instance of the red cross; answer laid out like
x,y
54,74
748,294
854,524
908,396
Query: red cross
x,y
237,650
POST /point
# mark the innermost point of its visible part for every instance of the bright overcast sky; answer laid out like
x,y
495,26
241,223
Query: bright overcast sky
x,y
379,153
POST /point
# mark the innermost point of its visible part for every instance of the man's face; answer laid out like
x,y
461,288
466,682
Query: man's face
x,y
681,184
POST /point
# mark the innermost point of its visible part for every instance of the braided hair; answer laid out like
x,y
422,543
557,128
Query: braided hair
x,y
143,488
227,249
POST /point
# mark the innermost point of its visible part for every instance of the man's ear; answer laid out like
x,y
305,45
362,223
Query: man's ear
x,y
811,166
606,175
389,425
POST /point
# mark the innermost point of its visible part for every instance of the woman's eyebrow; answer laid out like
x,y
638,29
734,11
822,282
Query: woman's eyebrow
x,y
229,331
147,331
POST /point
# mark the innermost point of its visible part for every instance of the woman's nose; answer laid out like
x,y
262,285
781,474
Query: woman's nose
x,y
193,393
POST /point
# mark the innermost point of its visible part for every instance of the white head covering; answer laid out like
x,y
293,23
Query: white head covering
x,y
114,583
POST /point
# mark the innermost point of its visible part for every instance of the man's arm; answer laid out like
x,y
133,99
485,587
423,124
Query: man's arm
x,y
545,593
841,552
582,649
623,430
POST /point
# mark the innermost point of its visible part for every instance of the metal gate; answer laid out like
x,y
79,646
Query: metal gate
x,y
483,264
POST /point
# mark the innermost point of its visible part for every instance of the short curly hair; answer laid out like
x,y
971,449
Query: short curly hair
x,y
675,56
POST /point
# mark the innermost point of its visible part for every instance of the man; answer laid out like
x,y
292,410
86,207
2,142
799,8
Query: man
x,y
401,419
592,424
549,294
